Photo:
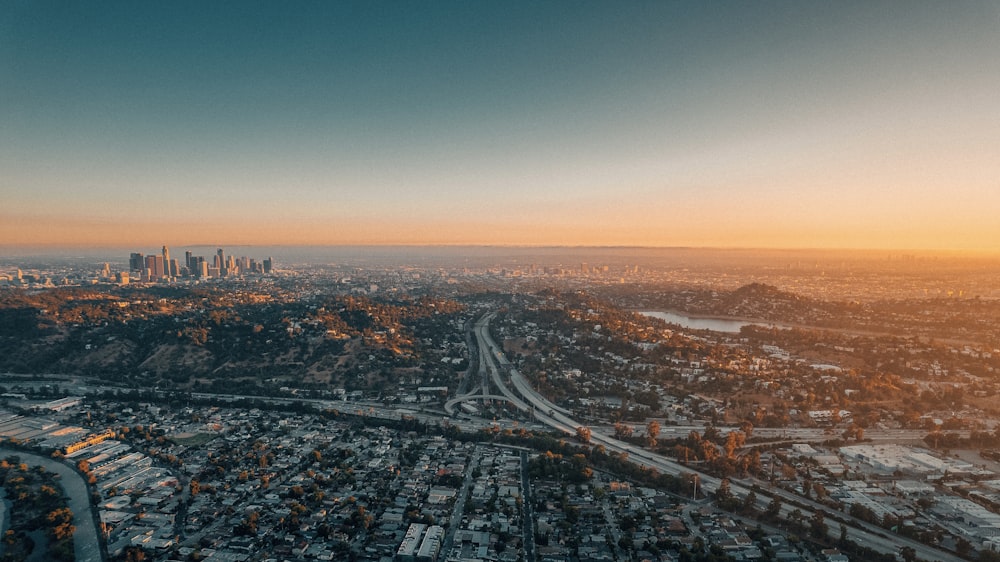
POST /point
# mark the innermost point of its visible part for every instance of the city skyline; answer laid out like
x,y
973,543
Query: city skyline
x,y
156,268
802,125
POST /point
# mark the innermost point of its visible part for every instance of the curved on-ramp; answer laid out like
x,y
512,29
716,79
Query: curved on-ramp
x,y
449,406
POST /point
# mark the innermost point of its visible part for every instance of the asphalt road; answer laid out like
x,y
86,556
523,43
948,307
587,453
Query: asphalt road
x,y
868,535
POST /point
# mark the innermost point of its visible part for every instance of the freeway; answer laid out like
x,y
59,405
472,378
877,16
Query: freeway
x,y
792,434
493,365
559,419
496,357
449,406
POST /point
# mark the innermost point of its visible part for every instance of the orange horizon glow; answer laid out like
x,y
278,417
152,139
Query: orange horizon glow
x,y
93,233
656,125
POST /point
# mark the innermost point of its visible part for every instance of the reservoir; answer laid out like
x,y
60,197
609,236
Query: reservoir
x,y
714,324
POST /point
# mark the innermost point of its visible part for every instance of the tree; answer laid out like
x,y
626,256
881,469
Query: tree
x,y
734,440
750,462
724,497
724,493
795,518
583,434
773,508
747,428
817,525
711,433
864,513
134,554
652,432
61,523
622,430
963,547
855,431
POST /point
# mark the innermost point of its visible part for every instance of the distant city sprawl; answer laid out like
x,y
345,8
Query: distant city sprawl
x,y
503,404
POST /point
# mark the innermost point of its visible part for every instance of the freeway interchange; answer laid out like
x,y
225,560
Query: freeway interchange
x,y
497,379
516,390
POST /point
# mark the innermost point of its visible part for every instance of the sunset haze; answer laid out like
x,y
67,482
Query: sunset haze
x,y
775,124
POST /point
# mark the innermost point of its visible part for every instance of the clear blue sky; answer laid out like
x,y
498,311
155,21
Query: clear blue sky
x,y
820,124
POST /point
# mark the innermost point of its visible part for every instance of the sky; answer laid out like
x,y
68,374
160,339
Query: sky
x,y
792,124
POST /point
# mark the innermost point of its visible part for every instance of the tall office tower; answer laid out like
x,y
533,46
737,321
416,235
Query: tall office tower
x,y
222,262
136,262
155,266
268,264
175,268
194,266
202,268
166,261
253,266
231,268
187,260
244,264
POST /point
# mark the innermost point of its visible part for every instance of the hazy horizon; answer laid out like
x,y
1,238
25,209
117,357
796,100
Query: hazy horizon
x,y
775,125
318,253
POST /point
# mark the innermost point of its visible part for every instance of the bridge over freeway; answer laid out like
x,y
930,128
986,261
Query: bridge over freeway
x,y
449,406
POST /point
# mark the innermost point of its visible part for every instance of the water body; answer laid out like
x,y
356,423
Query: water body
x,y
714,324
86,545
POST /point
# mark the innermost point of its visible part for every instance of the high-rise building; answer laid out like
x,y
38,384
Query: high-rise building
x,y
195,266
166,262
154,266
136,262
